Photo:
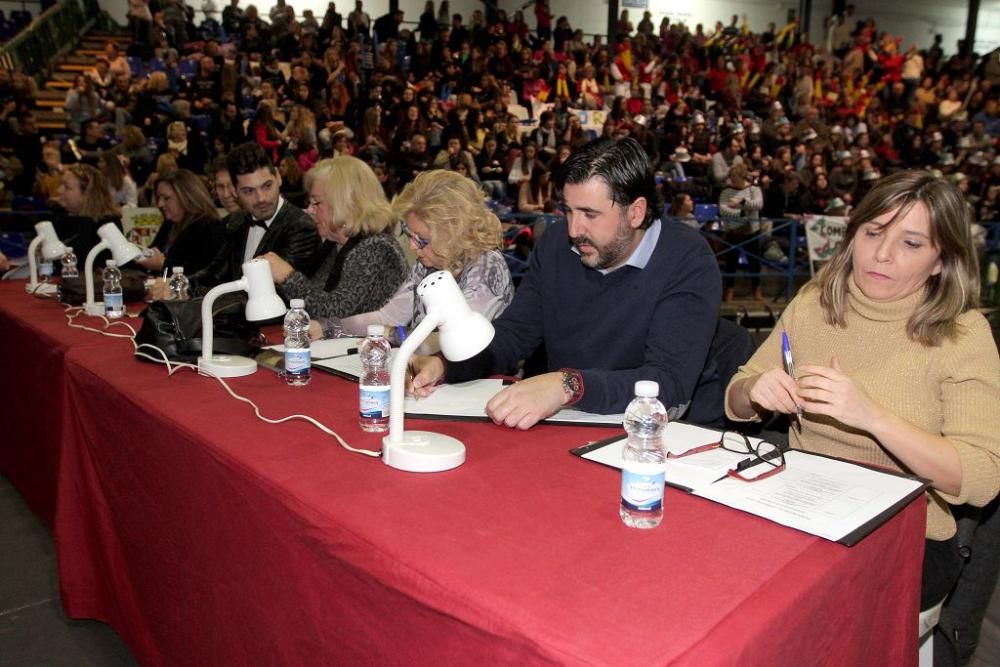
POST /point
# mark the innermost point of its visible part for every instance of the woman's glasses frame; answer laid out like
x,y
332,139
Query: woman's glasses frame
x,y
740,444
405,230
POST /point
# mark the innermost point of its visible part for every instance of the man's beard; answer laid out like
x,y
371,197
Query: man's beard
x,y
610,254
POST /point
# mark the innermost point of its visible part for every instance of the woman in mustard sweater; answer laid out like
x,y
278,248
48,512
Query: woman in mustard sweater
x,y
895,366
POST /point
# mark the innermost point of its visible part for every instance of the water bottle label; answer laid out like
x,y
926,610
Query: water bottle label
x,y
297,362
113,302
642,486
374,402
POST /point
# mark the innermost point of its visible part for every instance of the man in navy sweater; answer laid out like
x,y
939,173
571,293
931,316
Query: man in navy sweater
x,y
613,294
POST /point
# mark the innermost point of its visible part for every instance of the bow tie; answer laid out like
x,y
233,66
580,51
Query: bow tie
x,y
258,223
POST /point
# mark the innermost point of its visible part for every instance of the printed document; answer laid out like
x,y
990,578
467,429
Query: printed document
x,y
837,500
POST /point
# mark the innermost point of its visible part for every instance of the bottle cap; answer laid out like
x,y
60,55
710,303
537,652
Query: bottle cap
x,y
109,263
376,330
297,303
178,269
647,389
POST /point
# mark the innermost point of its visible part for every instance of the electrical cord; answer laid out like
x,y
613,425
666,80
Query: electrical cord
x,y
72,312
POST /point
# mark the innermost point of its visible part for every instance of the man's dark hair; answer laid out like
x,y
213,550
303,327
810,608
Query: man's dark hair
x,y
248,158
622,164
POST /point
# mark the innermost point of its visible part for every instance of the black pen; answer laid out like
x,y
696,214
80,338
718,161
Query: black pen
x,y
350,351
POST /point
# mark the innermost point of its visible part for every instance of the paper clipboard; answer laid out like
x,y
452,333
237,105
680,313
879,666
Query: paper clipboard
x,y
850,538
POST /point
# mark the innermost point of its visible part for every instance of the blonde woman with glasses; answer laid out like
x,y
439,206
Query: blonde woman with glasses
x,y
444,216
359,264
893,364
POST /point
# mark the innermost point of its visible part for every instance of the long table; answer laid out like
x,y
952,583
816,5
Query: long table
x,y
205,536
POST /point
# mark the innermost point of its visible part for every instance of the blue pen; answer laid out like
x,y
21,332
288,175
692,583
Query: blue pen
x,y
786,357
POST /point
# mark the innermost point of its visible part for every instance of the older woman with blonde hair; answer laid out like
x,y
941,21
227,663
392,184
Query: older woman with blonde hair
x,y
360,264
449,227
895,365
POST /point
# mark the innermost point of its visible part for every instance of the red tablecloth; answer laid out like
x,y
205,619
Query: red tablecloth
x,y
206,536
35,339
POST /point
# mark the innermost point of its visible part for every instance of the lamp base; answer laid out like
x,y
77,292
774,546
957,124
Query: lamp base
x,y
227,366
423,451
42,289
95,309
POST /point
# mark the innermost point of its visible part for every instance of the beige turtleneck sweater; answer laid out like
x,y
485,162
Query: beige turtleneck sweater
x,y
952,390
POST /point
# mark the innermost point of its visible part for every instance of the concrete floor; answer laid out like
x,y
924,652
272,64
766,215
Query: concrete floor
x,y
33,628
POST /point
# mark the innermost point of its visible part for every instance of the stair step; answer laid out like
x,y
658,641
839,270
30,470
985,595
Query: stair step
x,y
62,86
70,67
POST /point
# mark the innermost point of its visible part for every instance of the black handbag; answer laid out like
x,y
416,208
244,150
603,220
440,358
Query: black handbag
x,y
175,328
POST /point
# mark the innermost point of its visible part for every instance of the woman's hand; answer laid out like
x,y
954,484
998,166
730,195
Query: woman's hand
x,y
775,391
827,390
425,372
153,262
160,291
315,331
280,269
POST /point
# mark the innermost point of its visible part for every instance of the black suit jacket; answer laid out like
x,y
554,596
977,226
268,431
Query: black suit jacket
x,y
292,236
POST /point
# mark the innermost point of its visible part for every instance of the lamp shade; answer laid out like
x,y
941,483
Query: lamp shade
x,y
52,247
462,332
263,302
122,250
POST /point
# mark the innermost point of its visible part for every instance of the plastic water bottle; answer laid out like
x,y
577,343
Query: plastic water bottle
x,y
298,358
180,287
69,269
374,410
45,270
114,305
644,459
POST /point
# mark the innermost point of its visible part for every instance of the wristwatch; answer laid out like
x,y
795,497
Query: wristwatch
x,y
572,382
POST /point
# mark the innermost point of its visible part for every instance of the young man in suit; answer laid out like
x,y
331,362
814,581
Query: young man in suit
x,y
267,222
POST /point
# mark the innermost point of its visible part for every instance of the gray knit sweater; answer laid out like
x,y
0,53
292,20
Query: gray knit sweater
x,y
372,271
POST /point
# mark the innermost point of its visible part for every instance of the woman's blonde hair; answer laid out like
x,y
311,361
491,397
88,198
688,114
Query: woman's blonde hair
x,y
97,201
454,209
158,82
175,129
950,293
356,199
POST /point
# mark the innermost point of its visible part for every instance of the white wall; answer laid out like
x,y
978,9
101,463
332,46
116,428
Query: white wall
x,y
915,20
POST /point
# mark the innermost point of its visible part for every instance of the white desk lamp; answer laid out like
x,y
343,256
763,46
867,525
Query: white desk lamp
x,y
263,304
462,334
52,249
122,250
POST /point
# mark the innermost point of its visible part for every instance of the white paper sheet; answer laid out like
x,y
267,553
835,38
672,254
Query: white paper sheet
x,y
814,494
469,399
328,347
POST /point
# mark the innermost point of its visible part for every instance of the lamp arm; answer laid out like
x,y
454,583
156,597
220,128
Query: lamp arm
x,y
206,312
397,386
32,263
88,269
